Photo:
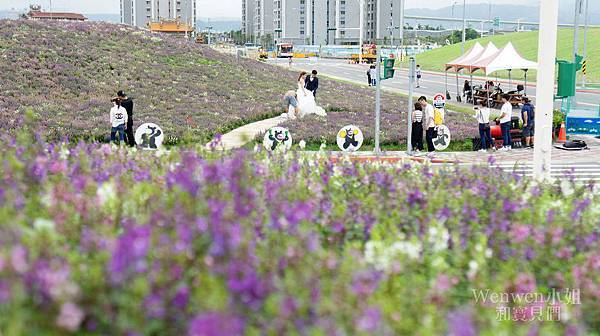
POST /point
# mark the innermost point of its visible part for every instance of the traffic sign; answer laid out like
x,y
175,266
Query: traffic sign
x,y
584,67
439,101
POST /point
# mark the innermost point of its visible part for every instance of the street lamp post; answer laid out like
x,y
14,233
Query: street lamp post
x,y
464,32
454,23
542,157
361,3
585,37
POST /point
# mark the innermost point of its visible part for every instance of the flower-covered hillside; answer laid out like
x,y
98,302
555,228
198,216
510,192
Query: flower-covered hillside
x,y
67,72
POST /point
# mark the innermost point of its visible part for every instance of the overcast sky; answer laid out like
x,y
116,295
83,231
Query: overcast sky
x,y
206,8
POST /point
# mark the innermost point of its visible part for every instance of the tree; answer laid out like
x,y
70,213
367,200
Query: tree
x,y
471,34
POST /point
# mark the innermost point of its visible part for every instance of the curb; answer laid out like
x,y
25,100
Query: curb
x,y
362,159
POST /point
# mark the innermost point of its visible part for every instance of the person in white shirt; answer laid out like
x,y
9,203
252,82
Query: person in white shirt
x,y
374,76
483,118
118,119
505,117
418,73
429,122
417,128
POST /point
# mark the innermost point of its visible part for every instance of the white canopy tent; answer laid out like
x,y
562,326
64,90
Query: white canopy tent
x,y
476,54
472,54
508,58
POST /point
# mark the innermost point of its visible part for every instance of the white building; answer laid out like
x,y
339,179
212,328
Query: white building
x,y
141,12
321,22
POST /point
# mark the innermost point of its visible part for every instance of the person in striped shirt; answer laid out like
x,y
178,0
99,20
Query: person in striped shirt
x,y
417,128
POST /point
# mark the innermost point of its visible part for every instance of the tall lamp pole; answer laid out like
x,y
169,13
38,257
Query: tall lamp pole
x,y
578,6
464,32
585,37
542,157
361,3
402,3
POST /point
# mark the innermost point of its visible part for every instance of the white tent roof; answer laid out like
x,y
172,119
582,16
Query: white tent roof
x,y
460,62
506,59
488,54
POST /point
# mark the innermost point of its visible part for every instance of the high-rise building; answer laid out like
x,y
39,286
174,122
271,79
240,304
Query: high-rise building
x,y
322,22
263,19
248,14
142,12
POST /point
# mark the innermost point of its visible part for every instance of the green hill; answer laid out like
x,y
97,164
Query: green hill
x,y
527,44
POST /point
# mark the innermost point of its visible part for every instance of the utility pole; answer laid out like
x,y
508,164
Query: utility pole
x,y
578,6
378,100
361,3
402,3
542,157
464,33
585,37
411,84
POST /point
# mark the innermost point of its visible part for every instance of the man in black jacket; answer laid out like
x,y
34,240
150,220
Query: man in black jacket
x,y
312,83
127,103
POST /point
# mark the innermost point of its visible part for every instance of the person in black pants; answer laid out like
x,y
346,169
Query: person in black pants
x,y
417,128
312,83
127,103
429,121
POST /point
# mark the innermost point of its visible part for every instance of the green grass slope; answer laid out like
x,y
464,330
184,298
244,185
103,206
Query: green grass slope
x,y
526,44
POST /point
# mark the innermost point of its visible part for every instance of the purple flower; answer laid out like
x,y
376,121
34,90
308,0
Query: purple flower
x,y
18,259
182,297
216,324
365,282
460,323
130,253
153,304
70,317
370,320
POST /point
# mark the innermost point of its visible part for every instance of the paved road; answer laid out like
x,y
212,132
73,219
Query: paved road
x,y
431,83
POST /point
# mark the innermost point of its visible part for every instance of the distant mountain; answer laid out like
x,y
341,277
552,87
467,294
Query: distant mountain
x,y
505,12
221,26
9,15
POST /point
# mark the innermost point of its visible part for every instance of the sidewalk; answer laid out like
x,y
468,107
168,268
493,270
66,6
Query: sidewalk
x,y
515,156
242,135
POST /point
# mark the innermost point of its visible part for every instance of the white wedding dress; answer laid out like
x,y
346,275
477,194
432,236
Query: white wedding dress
x,y
306,102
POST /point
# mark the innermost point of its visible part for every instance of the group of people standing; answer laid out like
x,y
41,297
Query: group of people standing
x,y
506,120
425,118
121,119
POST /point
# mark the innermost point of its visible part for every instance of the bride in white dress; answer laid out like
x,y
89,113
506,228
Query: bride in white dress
x,y
306,100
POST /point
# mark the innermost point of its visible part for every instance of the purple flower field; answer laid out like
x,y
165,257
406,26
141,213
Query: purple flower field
x,y
96,240
68,72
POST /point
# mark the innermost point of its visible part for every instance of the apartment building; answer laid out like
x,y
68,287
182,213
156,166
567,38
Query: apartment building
x,y
141,13
248,14
263,18
322,22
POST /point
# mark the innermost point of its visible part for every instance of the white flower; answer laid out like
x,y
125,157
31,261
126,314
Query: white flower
x,y
488,253
106,192
302,144
567,187
411,249
473,266
64,152
43,224
323,146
